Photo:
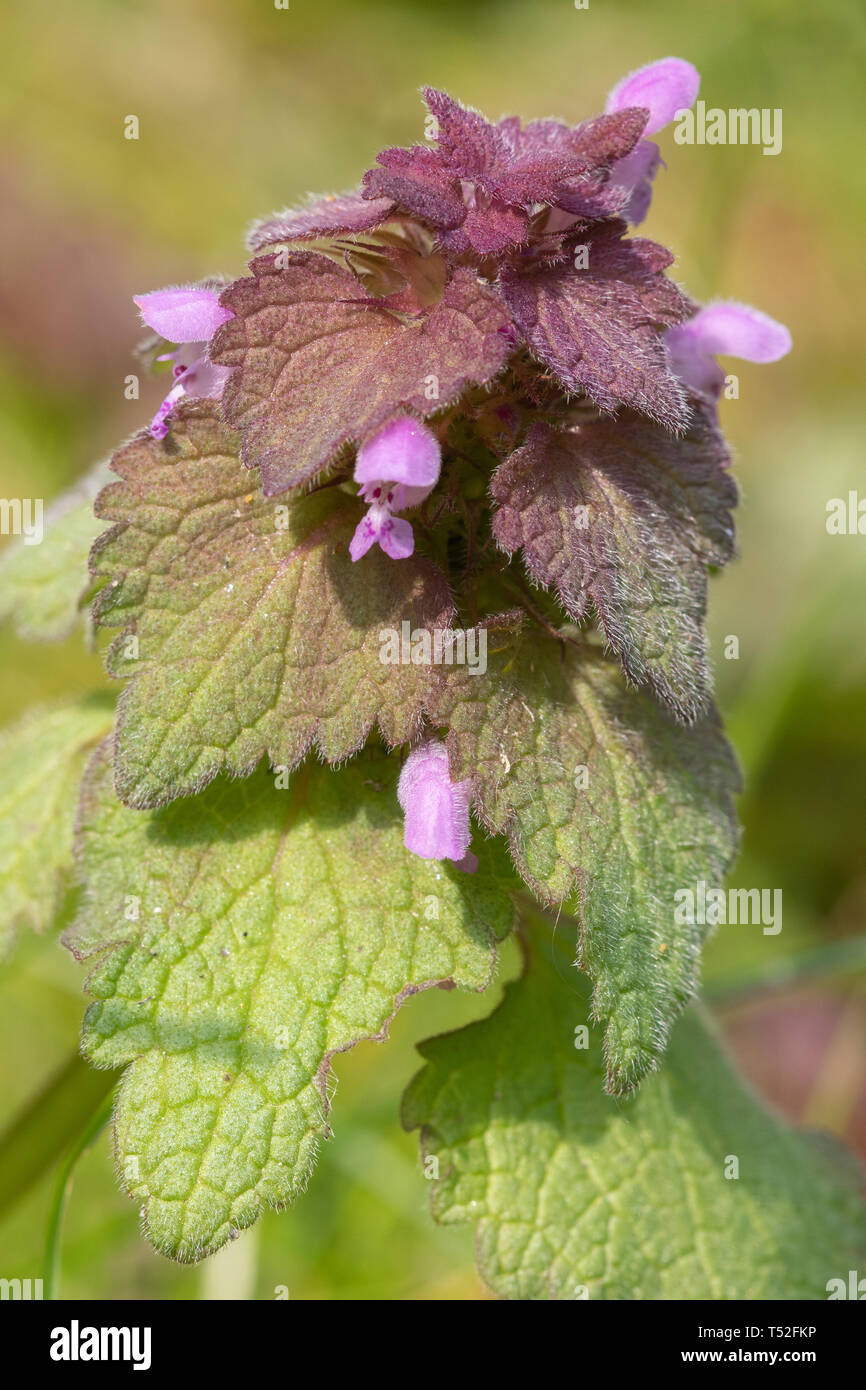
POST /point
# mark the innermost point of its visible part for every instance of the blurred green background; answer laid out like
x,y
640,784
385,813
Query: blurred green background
x,y
244,108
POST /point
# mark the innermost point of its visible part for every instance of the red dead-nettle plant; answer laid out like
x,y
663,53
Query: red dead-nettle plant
x,y
409,575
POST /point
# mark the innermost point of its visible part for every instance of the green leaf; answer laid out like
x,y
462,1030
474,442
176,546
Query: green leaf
x,y
257,933
319,363
609,807
577,1195
253,631
626,517
43,587
42,759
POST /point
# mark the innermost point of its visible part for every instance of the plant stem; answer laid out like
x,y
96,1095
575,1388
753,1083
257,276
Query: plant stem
x,y
48,1124
63,1183
536,613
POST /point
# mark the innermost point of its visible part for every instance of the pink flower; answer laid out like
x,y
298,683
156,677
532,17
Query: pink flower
x,y
664,88
188,316
727,328
636,173
397,468
436,809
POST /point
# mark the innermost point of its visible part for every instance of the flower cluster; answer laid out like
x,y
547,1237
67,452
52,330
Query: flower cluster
x,y
483,285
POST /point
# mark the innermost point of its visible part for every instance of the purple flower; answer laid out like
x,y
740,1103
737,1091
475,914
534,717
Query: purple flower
x,y
727,328
635,175
397,468
663,89
436,809
188,316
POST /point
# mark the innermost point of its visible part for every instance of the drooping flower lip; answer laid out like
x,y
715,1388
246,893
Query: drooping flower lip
x,y
186,314
664,88
393,534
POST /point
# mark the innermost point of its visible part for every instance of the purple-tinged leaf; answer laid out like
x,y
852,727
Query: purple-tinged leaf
x,y
547,155
480,180
318,364
254,634
489,229
593,144
419,181
598,329
341,213
605,139
625,518
466,144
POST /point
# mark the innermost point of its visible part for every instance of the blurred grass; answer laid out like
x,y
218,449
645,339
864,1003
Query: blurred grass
x,y
244,108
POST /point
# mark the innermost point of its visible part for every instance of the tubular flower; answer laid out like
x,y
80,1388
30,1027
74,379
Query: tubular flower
x,y
728,328
663,89
188,316
397,468
436,809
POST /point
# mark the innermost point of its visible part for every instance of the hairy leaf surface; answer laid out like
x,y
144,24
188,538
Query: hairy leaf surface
x,y
319,364
598,328
255,632
479,183
343,212
609,807
256,933
42,587
577,1196
626,517
42,759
